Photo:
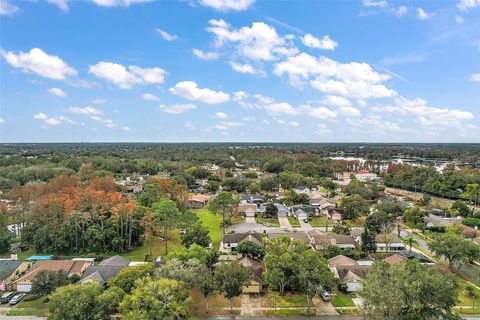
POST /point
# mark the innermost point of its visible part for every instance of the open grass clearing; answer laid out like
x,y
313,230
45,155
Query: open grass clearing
x,y
213,223
342,300
294,222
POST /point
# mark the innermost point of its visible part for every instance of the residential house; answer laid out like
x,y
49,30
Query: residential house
x,y
247,209
105,270
394,259
310,210
300,235
341,260
301,190
320,240
11,269
300,215
24,283
364,175
257,284
356,233
231,241
389,243
351,276
334,214
319,200
198,201
438,221
282,210
251,198
406,255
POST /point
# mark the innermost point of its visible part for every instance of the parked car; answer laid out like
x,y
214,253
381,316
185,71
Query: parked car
x,y
6,297
305,220
17,298
325,296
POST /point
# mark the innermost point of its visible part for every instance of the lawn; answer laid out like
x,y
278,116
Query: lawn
x,y
294,222
342,300
35,303
463,299
28,312
286,301
237,219
217,304
320,222
291,312
158,247
213,223
358,222
273,221
467,311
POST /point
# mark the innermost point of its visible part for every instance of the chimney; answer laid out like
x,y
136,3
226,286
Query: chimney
x,y
14,256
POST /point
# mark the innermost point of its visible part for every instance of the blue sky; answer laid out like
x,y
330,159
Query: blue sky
x,y
239,70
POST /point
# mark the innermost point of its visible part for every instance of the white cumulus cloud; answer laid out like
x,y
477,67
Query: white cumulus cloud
x,y
57,92
176,108
165,35
475,77
465,5
422,14
325,43
205,55
62,4
227,5
259,42
118,3
7,8
246,68
149,97
190,90
125,78
221,115
41,63
88,111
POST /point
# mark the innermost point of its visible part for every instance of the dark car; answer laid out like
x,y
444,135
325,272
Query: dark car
x,y
17,298
6,297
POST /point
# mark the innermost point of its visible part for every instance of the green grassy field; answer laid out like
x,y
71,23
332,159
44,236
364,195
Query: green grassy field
x,y
294,222
157,245
273,221
213,223
342,300
287,301
463,299
320,222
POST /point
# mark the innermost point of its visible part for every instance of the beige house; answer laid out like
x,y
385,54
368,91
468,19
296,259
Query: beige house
x,y
247,209
256,268
11,269
24,283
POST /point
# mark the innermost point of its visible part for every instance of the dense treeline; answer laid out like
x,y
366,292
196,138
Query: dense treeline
x,y
77,213
448,183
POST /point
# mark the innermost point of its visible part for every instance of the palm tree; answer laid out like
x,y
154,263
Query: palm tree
x,y
410,241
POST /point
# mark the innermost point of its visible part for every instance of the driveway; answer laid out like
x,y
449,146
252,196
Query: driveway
x,y
305,226
250,220
284,223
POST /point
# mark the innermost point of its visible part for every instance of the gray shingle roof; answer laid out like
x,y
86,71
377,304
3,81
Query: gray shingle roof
x,y
7,267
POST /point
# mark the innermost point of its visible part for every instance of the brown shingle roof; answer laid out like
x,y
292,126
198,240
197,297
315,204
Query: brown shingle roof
x,y
237,237
360,271
68,266
342,260
394,259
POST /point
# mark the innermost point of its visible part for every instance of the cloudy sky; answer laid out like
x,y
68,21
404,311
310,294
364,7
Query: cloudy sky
x,y
239,70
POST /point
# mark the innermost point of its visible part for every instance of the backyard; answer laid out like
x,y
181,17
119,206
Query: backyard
x,y
213,223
